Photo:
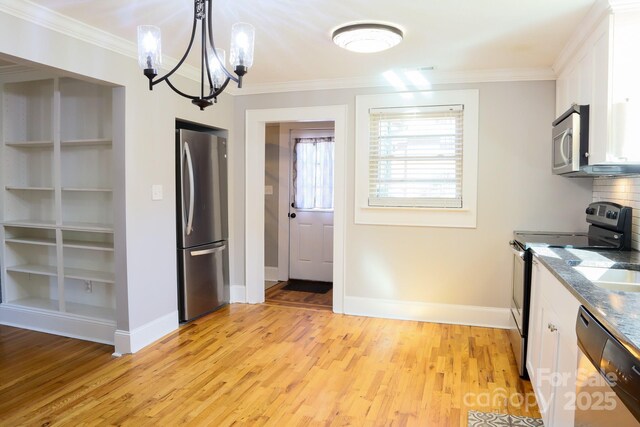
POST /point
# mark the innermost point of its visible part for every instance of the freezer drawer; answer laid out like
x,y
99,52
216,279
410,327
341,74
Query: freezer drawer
x,y
203,274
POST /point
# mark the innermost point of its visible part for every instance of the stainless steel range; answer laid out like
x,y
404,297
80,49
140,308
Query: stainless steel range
x,y
610,228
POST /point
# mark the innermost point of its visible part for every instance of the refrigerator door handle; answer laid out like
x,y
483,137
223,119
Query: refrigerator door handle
x,y
191,188
208,251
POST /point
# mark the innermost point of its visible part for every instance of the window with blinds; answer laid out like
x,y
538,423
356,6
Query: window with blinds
x,y
415,156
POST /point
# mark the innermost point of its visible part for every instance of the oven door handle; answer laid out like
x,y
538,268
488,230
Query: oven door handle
x,y
516,249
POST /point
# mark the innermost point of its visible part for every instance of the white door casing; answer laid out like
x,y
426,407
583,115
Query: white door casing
x,y
254,196
310,230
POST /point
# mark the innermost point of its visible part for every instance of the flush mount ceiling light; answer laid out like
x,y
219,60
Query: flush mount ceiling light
x,y
367,38
214,77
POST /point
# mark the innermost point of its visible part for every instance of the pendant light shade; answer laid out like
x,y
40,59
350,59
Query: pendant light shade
x,y
367,38
216,62
149,47
242,38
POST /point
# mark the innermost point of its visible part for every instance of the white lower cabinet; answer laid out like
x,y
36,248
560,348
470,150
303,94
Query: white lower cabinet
x,y
552,352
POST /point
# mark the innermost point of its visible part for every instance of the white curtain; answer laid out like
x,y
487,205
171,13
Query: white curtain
x,y
313,173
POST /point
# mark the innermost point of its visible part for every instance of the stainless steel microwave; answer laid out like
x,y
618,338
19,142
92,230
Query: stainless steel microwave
x,y
571,140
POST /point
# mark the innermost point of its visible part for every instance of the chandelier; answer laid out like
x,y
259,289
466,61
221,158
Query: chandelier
x,y
214,76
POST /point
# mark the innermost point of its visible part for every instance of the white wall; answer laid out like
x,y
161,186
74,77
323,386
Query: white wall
x,y
516,190
147,295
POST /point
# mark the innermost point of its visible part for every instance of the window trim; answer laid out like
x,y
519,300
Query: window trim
x,y
465,217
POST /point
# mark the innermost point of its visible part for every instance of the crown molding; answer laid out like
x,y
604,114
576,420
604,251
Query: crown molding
x,y
28,11
434,78
598,12
624,5
587,26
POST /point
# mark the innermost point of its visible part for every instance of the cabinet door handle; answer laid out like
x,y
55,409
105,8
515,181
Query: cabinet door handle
x,y
552,327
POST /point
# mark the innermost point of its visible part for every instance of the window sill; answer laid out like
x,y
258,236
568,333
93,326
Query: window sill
x,y
417,217
417,208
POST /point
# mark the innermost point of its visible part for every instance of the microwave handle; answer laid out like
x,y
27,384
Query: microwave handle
x,y
563,150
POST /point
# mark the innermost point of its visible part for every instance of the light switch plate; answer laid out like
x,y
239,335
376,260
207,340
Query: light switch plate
x,y
268,190
156,192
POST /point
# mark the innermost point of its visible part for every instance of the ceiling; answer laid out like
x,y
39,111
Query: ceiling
x,y
293,37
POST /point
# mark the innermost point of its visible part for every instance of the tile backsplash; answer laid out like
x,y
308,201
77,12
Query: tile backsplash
x,y
625,191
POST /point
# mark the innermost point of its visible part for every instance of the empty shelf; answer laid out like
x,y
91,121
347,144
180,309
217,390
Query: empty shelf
x,y
29,144
43,270
31,241
85,142
30,223
82,274
94,246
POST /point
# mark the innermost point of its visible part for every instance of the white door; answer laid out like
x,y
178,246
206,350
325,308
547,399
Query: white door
x,y
311,212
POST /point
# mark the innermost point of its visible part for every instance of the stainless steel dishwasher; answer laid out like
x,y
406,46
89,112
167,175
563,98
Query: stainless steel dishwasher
x,y
608,378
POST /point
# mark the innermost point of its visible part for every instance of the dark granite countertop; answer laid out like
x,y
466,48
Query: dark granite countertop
x,y
618,311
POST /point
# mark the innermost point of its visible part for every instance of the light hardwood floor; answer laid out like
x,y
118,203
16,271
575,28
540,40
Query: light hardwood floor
x,y
264,365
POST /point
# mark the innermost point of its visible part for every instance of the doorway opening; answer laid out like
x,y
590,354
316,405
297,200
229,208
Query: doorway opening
x,y
299,183
256,121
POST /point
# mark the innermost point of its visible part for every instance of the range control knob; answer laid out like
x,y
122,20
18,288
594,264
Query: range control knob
x,y
590,211
609,214
614,215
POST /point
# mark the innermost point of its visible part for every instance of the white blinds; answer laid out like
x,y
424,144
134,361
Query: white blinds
x,y
415,157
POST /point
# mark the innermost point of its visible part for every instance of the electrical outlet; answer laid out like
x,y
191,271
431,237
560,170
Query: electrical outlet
x,y
88,286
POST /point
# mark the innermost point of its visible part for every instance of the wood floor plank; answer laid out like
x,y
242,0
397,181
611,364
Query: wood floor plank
x,y
264,365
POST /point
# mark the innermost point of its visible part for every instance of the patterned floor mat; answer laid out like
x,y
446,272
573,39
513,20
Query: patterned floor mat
x,y
490,419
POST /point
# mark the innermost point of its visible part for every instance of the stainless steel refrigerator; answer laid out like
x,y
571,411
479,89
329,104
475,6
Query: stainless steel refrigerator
x,y
203,254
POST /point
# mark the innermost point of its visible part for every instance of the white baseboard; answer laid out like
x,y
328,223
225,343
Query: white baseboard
x,y
493,317
271,274
135,340
238,294
57,323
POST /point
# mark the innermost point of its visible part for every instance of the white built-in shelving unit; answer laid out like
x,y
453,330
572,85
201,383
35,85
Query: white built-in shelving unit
x,y
58,270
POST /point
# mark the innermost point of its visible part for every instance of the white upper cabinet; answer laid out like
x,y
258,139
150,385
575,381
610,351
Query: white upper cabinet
x,y
599,68
625,88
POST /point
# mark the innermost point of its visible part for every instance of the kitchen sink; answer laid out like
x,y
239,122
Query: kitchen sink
x,y
613,279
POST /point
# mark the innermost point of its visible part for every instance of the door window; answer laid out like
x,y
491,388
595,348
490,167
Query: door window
x,y
313,173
